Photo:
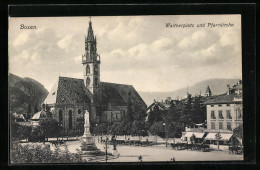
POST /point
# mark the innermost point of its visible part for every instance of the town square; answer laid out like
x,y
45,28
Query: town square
x,y
119,92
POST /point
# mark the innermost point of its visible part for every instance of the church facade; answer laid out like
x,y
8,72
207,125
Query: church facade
x,y
106,102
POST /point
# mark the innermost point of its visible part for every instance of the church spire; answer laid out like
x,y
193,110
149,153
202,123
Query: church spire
x,y
90,36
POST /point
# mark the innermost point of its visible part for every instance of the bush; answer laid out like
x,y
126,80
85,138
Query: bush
x,y
37,135
33,153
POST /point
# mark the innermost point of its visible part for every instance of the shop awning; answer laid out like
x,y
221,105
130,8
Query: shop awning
x,y
198,134
211,136
225,136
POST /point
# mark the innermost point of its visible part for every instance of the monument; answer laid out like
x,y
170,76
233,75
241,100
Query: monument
x,y
88,146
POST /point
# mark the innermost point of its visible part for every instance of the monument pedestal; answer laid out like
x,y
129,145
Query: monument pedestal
x,y
88,146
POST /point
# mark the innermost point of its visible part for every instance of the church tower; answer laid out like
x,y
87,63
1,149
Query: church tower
x,y
91,65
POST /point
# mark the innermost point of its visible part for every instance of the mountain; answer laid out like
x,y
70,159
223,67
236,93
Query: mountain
x,y
25,95
217,86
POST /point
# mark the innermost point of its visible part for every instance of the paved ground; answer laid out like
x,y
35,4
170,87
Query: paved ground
x,y
159,153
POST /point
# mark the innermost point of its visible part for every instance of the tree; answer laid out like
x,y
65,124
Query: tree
x,y
102,128
139,128
24,131
80,125
37,134
49,126
157,128
155,115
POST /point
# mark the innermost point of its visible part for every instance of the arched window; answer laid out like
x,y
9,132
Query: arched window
x,y
88,69
60,116
79,111
70,119
96,82
96,69
88,81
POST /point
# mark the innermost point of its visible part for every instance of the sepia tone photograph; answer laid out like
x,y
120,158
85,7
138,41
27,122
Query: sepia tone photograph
x,y
151,88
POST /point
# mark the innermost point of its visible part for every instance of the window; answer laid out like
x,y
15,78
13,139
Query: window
x,y
88,81
116,117
219,105
79,111
212,105
88,69
229,126
228,104
96,82
239,114
220,125
220,116
95,69
70,119
60,116
212,125
213,115
229,114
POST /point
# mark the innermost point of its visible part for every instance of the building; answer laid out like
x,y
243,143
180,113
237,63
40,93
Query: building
x,y
225,113
44,113
106,102
208,92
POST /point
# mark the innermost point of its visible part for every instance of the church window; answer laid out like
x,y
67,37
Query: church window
x,y
88,81
88,69
60,116
70,119
95,69
96,82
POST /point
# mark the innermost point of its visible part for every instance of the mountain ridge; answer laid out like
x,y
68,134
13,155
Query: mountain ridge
x,y
25,94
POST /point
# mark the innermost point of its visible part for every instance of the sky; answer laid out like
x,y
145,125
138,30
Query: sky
x,y
136,50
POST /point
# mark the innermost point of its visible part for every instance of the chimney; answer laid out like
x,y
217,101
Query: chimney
x,y
228,92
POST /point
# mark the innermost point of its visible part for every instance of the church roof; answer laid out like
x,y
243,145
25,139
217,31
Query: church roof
x,y
119,94
70,90
67,90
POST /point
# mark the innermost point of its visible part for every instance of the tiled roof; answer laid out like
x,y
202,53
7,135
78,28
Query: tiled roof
x,y
67,90
119,94
162,105
224,99
70,90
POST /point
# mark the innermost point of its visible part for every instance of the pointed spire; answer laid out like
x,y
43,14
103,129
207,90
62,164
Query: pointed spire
x,y
90,31
208,92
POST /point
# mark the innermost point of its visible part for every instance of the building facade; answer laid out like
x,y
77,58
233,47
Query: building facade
x,y
106,102
225,112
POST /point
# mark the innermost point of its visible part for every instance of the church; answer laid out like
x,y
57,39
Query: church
x,y
106,102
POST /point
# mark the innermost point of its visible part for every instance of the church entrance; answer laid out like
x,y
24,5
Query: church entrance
x,y
70,119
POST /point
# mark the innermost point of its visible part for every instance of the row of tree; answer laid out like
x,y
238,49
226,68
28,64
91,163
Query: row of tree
x,y
164,123
47,127
170,123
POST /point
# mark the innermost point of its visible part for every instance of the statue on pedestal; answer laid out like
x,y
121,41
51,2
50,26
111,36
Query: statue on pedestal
x,y
88,145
